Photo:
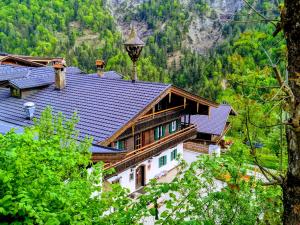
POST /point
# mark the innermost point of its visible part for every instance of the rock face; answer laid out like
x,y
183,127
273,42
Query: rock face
x,y
204,31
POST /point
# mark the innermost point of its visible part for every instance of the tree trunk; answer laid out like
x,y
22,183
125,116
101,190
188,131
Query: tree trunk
x,y
290,18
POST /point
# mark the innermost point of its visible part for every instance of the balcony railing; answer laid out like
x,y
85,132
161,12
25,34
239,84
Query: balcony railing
x,y
141,154
161,113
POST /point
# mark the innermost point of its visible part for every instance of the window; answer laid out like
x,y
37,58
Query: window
x,y
137,141
159,132
120,144
172,126
131,176
174,154
162,161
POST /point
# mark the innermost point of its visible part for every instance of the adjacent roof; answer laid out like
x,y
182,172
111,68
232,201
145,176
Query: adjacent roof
x,y
19,60
214,123
110,75
103,105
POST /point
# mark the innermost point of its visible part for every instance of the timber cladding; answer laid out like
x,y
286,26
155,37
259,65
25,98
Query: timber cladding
x,y
153,122
137,156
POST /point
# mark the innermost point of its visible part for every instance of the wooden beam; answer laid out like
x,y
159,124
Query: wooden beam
x,y
190,96
153,112
197,107
184,103
170,97
133,126
209,112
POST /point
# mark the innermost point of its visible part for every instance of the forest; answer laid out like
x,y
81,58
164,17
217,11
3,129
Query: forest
x,y
238,70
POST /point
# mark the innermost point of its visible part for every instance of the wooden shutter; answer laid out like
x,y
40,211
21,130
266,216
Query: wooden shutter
x,y
170,128
156,133
163,130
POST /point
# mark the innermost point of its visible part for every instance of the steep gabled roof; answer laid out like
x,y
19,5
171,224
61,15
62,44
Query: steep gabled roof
x,y
214,123
103,105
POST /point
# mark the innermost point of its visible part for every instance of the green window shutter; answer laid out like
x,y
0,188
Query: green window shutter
x,y
163,130
170,128
162,161
156,131
174,154
121,145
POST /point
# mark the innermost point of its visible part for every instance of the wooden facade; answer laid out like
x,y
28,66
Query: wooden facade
x,y
157,128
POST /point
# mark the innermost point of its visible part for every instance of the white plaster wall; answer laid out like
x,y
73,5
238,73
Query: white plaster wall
x,y
214,149
151,168
190,156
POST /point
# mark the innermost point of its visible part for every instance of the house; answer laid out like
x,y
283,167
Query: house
x,y
211,130
136,126
21,60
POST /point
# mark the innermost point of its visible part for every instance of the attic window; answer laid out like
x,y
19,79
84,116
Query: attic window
x,y
15,92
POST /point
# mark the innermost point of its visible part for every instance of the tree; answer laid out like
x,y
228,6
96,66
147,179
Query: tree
x,y
44,178
215,191
290,20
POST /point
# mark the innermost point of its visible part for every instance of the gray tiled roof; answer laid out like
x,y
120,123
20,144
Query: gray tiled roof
x,y
103,105
109,74
215,123
31,82
35,76
6,127
8,72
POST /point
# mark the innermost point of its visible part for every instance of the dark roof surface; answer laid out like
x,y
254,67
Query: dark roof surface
x,y
215,123
6,127
103,105
109,74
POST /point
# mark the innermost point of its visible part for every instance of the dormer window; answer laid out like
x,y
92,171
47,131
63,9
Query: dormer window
x,y
120,144
15,92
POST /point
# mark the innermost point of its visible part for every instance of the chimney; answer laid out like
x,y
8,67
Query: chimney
x,y
59,66
100,64
29,108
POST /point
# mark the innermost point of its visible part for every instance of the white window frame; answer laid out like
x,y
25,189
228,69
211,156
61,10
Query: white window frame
x,y
173,125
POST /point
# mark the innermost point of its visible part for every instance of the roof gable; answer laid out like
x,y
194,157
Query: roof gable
x,y
214,123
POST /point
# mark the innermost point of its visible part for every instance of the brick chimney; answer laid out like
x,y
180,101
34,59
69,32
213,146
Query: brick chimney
x,y
59,66
100,64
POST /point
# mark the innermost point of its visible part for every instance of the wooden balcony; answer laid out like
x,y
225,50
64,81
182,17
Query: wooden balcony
x,y
162,113
134,157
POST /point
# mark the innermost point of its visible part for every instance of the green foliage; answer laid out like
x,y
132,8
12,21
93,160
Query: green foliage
x,y
44,178
216,191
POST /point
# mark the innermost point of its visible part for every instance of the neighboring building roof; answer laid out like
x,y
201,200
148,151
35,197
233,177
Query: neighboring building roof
x,y
214,123
6,59
103,105
110,75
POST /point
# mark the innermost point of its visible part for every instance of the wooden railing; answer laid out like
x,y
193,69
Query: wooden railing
x,y
152,149
152,115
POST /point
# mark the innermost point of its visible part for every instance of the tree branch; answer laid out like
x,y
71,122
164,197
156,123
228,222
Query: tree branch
x,y
258,13
263,170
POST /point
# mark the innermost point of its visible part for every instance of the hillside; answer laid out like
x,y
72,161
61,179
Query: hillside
x,y
182,38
